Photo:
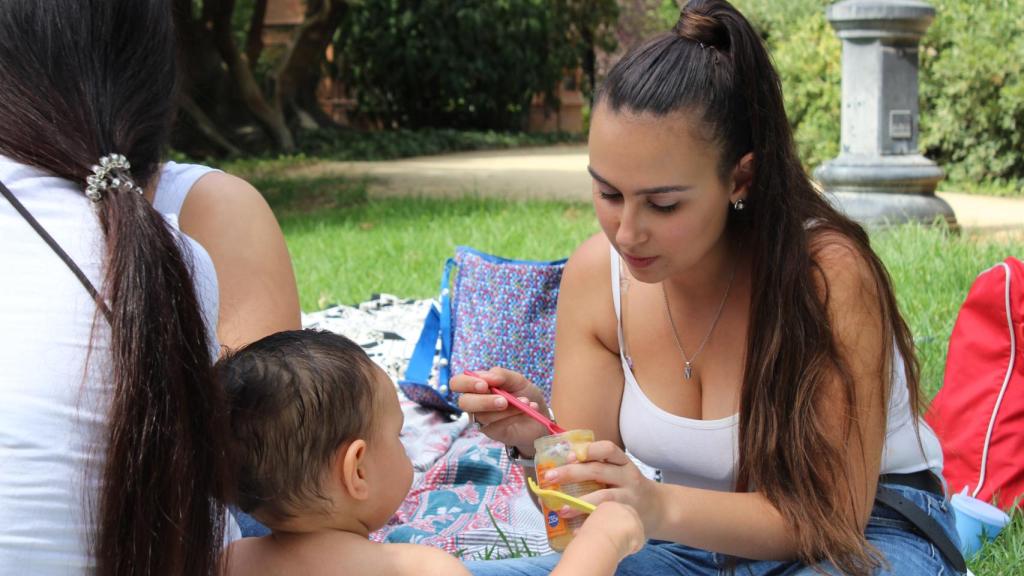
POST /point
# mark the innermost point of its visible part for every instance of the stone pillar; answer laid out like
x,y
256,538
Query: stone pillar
x,y
879,176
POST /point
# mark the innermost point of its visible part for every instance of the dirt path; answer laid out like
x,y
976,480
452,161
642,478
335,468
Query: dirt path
x,y
560,172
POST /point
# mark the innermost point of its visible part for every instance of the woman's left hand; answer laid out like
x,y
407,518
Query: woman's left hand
x,y
608,464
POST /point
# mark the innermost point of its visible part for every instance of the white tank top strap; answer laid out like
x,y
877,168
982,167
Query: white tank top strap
x,y
617,297
176,180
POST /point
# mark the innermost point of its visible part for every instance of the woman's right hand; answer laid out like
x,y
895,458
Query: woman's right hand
x,y
497,419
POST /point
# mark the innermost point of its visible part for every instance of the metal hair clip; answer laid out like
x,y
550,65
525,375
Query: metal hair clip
x,y
112,173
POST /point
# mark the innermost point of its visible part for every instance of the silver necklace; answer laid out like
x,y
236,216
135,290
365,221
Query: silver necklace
x,y
688,361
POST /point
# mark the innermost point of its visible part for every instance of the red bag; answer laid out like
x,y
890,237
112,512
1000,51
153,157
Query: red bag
x,y
979,412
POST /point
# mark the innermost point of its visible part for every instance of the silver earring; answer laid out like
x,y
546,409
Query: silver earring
x,y
738,205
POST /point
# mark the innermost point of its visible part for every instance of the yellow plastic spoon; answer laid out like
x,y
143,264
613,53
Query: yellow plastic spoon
x,y
554,499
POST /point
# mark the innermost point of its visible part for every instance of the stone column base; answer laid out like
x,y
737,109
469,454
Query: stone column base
x,y
885,190
883,209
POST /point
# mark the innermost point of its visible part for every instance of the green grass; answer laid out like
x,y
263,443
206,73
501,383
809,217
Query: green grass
x,y
932,271
1004,556
346,248
399,245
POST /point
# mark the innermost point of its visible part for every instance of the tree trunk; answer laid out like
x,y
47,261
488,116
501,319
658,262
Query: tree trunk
x,y
204,83
206,126
217,17
218,80
306,102
197,53
589,65
298,75
254,42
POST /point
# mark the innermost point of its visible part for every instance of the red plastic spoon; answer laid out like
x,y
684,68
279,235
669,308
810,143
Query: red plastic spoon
x,y
526,408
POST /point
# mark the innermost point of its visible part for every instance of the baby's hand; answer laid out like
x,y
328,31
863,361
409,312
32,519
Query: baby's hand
x,y
616,523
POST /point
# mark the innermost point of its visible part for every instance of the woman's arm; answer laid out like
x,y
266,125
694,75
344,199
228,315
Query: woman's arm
x,y
587,387
233,222
747,524
588,384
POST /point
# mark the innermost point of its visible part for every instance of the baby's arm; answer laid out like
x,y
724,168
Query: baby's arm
x,y
611,533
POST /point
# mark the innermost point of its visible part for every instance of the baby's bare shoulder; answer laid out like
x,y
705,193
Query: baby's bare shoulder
x,y
419,560
249,556
300,555
267,557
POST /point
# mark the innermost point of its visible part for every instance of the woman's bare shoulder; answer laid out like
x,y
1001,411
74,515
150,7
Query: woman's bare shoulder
x,y
841,264
585,303
225,200
421,560
589,264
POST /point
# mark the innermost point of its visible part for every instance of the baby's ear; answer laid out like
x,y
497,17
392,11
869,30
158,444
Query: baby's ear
x,y
350,469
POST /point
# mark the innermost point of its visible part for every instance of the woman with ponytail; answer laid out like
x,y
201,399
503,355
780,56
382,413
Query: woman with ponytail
x,y
732,329
111,427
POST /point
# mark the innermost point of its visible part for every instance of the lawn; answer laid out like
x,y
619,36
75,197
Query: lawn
x,y
346,248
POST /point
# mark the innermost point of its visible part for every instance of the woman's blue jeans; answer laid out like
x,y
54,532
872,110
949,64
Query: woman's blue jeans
x,y
249,526
906,551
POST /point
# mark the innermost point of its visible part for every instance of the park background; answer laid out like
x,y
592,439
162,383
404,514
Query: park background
x,y
305,99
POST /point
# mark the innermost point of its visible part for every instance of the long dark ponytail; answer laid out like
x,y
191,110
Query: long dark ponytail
x,y
714,66
80,79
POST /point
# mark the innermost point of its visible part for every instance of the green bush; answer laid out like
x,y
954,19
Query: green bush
x,y
808,62
436,63
807,56
972,93
351,145
774,18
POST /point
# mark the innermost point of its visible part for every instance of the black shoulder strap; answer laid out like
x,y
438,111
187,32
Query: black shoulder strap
x,y
57,249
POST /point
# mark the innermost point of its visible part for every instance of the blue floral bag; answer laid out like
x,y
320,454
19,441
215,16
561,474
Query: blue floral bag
x,y
500,313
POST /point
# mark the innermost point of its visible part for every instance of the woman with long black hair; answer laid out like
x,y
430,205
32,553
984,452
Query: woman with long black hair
x,y
732,329
110,424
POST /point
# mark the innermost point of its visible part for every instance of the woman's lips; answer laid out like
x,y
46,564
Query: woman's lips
x,y
637,262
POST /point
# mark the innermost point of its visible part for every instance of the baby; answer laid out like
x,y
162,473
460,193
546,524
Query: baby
x,y
318,459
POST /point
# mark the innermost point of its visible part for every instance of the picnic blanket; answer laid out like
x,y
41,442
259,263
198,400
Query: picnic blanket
x,y
465,498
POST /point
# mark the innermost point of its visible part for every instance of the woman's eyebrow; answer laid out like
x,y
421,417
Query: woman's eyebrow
x,y
645,191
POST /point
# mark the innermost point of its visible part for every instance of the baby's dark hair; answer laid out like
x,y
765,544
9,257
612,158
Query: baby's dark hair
x,y
295,397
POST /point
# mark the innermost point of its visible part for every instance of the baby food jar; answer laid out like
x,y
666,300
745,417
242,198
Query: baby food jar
x,y
553,451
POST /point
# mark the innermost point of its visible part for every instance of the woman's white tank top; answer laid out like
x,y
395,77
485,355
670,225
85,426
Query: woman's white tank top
x,y
703,453
52,412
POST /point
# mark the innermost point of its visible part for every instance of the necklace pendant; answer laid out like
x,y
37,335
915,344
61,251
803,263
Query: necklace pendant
x,y
687,370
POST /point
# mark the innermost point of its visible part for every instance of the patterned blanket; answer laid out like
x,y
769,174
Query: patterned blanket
x,y
465,497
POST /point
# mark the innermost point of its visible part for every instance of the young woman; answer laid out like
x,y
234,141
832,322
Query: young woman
x,y
730,328
110,425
